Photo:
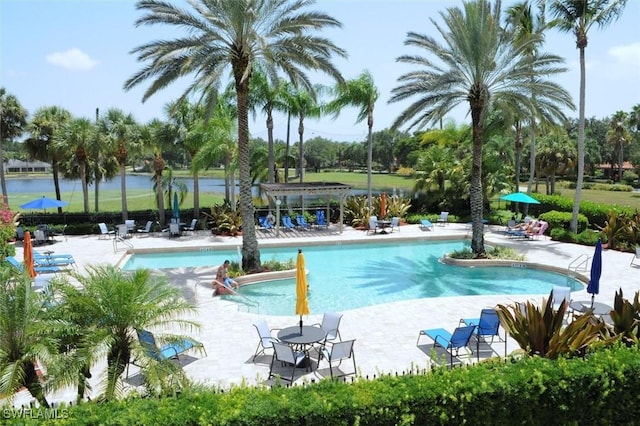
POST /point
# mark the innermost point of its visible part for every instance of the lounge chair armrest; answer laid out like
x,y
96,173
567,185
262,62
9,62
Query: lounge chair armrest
x,y
446,345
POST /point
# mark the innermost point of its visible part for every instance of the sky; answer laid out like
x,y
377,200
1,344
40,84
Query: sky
x,y
76,54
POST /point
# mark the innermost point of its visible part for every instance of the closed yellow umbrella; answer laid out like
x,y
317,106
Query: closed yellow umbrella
x,y
302,304
28,255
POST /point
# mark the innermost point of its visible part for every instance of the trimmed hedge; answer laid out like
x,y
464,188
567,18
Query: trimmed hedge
x,y
603,388
562,220
596,214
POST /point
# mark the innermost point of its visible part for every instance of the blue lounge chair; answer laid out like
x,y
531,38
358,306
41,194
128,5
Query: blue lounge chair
x,y
302,222
43,260
488,325
286,222
168,351
426,224
320,219
450,341
264,223
39,269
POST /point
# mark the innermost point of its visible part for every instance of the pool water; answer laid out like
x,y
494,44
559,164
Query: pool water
x,y
348,276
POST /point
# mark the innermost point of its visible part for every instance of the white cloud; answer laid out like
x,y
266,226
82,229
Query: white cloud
x,y
73,59
627,54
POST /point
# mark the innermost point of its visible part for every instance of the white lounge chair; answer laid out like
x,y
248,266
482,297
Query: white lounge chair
x,y
373,224
339,352
560,294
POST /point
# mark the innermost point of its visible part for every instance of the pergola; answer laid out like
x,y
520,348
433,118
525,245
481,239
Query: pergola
x,y
276,191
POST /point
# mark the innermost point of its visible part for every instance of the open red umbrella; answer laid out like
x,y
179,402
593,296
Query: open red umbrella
x,y
28,255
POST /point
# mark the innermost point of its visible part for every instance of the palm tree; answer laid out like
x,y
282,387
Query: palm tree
x,y
123,135
13,119
104,165
477,64
302,104
155,135
555,155
269,98
111,307
242,35
45,127
634,118
76,138
362,94
577,17
26,341
618,135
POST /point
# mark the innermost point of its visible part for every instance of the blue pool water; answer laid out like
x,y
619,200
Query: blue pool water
x,y
348,276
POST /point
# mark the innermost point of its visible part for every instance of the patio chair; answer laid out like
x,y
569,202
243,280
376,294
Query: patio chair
x,y
443,219
42,260
635,256
451,342
339,352
286,222
41,238
426,224
131,225
192,227
560,294
302,222
266,337
174,230
331,327
147,228
104,231
395,223
373,224
264,223
19,234
321,219
487,325
285,354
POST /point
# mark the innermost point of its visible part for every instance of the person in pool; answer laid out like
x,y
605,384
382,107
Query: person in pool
x,y
222,283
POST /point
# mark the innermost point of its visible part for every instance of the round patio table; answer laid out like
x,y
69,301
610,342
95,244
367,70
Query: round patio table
x,y
584,306
301,341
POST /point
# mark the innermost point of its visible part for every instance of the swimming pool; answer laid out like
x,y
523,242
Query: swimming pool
x,y
348,275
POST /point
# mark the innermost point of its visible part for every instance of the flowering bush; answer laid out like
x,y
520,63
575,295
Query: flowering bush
x,y
8,224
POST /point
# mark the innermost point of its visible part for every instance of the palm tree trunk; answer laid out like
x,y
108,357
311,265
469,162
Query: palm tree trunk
x,y
32,383
55,169
518,164
123,191
85,186
579,180
286,156
369,160
475,193
3,182
250,253
272,159
196,196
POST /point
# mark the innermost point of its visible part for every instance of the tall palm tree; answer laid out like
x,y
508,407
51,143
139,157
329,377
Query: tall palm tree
x,y
26,341
476,64
267,97
556,155
577,17
155,135
302,103
76,138
123,135
362,94
104,165
112,306
44,128
618,136
13,119
274,35
634,118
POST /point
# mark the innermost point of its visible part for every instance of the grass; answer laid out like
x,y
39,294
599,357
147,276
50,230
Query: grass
x,y
143,199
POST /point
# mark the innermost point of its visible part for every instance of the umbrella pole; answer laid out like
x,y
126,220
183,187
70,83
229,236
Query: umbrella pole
x,y
592,297
301,325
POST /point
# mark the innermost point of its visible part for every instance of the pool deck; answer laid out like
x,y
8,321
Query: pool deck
x,y
385,334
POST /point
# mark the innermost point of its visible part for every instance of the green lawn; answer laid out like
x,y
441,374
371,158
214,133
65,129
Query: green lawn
x,y
143,199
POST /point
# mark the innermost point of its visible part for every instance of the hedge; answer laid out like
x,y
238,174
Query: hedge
x,y
602,388
595,213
